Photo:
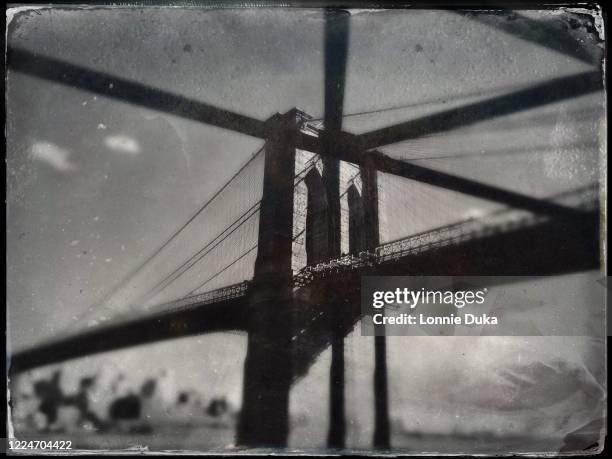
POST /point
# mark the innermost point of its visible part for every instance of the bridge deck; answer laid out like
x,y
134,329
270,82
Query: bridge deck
x,y
217,311
518,246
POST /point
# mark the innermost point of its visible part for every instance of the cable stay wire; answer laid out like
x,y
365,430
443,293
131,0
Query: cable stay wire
x,y
430,101
221,271
134,272
194,259
150,293
200,254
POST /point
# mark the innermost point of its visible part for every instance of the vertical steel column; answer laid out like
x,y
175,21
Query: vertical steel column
x,y
382,432
337,421
268,368
336,49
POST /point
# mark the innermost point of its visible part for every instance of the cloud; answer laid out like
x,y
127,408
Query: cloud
x,y
474,213
123,144
56,157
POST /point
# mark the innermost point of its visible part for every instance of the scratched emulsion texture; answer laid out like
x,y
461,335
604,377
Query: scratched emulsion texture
x,y
94,185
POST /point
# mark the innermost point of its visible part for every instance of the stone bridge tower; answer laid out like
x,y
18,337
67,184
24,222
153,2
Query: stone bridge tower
x,y
297,228
359,195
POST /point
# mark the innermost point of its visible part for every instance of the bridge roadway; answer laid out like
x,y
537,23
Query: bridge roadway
x,y
527,246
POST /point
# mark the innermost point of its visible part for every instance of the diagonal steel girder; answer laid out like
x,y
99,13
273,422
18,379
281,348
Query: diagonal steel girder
x,y
540,94
124,90
384,163
535,31
347,147
359,149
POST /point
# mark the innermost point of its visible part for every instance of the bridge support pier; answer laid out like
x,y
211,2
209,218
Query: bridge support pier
x,y
268,369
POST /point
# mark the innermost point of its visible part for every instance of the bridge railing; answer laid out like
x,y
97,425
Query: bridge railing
x,y
224,293
497,222
452,234
229,292
439,237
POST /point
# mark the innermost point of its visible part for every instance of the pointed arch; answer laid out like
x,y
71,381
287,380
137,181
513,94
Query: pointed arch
x,y
356,226
316,218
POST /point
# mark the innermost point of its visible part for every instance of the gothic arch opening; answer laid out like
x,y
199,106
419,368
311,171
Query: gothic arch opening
x,y
356,221
316,218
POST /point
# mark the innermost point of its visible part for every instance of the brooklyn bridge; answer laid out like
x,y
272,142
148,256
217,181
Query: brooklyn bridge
x,y
298,225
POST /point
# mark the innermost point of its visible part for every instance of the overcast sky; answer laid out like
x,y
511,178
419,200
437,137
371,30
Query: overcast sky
x,y
95,185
